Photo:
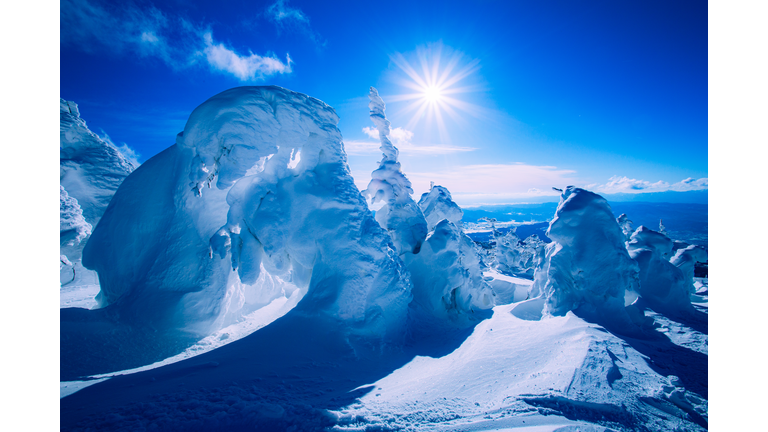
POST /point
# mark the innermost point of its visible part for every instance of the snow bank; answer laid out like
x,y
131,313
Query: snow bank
x,y
663,284
254,202
587,265
399,215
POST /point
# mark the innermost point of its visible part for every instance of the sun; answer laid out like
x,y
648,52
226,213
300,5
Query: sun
x,y
436,75
432,94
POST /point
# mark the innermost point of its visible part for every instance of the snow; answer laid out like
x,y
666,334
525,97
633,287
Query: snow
x,y
587,267
508,372
400,215
248,286
437,205
229,219
662,284
90,171
447,279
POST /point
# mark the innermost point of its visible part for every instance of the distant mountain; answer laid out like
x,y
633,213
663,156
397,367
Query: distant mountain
x,y
688,197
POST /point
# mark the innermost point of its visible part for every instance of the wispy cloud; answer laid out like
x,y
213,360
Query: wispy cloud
x,y
151,33
292,19
245,68
623,184
402,139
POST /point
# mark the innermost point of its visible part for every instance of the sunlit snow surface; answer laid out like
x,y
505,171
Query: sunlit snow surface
x,y
514,370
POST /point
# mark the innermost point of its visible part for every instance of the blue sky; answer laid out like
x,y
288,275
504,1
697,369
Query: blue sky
x,y
607,95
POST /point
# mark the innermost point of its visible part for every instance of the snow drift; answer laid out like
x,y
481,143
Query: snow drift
x,y
254,202
400,215
587,268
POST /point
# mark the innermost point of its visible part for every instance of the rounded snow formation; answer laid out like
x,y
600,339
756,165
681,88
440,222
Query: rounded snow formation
x,y
283,220
400,215
665,285
437,205
587,266
447,279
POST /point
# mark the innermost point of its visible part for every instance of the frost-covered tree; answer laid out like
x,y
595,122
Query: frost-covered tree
x,y
253,203
626,226
587,268
447,276
91,169
662,284
400,215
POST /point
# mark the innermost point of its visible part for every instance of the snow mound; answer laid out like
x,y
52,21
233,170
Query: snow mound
x,y
587,265
437,205
400,215
284,211
662,284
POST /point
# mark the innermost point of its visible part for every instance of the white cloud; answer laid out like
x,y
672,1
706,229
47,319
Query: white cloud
x,y
496,183
286,17
401,138
244,68
623,184
150,33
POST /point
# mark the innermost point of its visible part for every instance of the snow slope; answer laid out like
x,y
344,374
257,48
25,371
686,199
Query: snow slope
x,y
507,372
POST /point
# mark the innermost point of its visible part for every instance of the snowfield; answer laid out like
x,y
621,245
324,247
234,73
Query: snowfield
x,y
245,284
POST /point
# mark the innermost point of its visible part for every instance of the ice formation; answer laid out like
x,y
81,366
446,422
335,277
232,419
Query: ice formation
x,y
665,285
447,276
72,226
254,202
437,205
587,266
685,259
90,171
400,215
626,226
518,257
